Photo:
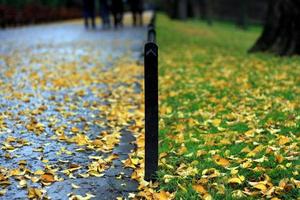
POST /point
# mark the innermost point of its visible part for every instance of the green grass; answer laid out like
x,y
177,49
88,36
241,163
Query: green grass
x,y
217,99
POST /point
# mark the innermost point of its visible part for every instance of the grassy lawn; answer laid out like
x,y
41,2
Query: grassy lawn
x,y
229,121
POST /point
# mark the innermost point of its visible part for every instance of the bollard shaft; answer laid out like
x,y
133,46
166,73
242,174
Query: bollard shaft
x,y
151,110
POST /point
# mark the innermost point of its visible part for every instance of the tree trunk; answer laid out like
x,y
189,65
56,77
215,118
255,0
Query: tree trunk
x,y
281,34
182,7
205,6
196,8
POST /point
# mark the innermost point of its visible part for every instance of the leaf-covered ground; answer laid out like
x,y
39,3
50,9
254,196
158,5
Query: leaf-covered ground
x,y
71,105
230,121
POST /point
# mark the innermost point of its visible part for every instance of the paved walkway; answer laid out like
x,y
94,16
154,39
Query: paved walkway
x,y
70,102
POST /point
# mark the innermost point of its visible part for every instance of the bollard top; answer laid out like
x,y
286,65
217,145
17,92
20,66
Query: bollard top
x,y
151,49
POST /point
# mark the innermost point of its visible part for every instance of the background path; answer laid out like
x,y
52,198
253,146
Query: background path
x,y
69,102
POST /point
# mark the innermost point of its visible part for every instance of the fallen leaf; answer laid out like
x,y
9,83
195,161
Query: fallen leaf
x,y
221,161
47,178
35,193
199,188
39,172
22,183
216,122
207,197
283,140
3,192
260,185
75,186
279,158
87,196
235,180
238,194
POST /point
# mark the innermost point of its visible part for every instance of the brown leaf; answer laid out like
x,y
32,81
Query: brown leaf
x,y
47,178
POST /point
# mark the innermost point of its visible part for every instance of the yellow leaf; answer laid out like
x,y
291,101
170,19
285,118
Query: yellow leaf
x,y
242,178
182,188
35,179
180,128
34,193
199,188
238,194
246,150
234,171
207,197
256,150
162,195
184,170
201,152
250,133
225,141
247,164
75,186
79,197
84,175
131,195
279,158
182,150
3,192
22,183
168,178
260,160
283,140
135,161
164,110
95,157
39,172
210,173
216,122
235,180
283,183
97,143
296,182
16,172
259,185
75,129
221,161
162,155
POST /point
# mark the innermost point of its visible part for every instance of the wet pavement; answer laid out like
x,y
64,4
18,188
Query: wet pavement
x,y
69,102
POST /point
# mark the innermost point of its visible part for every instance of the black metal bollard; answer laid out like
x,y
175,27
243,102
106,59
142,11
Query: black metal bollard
x,y
151,109
151,34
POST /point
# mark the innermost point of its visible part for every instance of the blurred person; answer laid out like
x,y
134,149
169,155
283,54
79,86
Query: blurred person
x,y
117,8
137,7
104,13
89,13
